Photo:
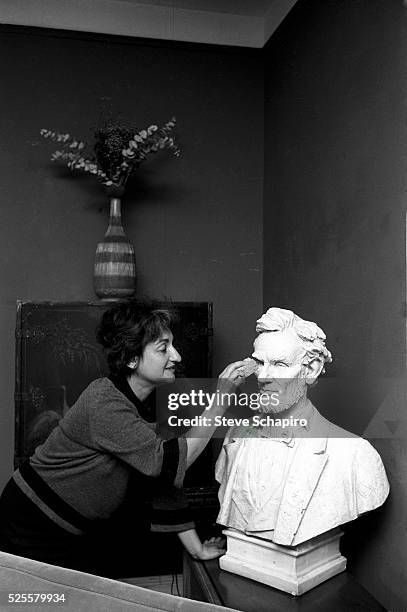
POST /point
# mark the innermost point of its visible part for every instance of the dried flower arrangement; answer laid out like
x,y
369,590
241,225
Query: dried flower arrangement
x,y
117,151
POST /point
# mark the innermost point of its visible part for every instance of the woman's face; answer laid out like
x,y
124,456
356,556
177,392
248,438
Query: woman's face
x,y
157,364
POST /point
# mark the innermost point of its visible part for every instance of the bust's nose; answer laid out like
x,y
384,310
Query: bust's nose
x,y
265,372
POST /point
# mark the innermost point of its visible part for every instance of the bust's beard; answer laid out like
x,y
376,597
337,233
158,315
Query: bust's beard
x,y
287,399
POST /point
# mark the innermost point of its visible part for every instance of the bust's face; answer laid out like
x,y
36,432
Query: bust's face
x,y
280,357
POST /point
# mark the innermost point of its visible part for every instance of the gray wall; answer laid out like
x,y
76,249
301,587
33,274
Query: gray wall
x,y
196,222
334,221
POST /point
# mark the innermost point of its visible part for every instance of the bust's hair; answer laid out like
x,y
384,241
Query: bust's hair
x,y
310,335
126,328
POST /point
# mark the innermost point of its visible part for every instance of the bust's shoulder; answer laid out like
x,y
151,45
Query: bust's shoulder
x,y
339,437
322,427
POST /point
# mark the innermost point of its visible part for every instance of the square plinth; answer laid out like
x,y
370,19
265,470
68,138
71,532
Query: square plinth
x,y
293,569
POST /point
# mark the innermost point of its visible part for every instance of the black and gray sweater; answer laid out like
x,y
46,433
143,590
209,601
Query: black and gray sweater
x,y
105,441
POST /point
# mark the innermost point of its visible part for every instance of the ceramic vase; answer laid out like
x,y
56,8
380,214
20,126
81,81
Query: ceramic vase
x,y
115,264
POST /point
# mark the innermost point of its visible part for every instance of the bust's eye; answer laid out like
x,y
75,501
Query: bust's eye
x,y
281,364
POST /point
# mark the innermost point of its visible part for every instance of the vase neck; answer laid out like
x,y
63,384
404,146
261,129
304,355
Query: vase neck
x,y
115,219
116,209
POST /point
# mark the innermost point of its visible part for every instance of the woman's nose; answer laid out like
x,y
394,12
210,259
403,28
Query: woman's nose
x,y
175,356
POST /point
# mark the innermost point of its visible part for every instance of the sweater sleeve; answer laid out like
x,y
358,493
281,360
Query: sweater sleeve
x,y
116,428
170,510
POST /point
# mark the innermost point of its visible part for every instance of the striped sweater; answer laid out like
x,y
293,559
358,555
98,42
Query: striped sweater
x,y
102,453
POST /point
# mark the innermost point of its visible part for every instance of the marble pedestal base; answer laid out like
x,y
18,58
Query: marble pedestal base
x,y
293,569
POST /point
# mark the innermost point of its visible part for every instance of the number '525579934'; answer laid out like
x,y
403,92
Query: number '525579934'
x,y
44,598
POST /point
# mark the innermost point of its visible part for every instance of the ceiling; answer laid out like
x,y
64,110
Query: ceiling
x,y
242,23
256,8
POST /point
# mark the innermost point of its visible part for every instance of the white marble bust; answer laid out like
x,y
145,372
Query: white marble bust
x,y
290,485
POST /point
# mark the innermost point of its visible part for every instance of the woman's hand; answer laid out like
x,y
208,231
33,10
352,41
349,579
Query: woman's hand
x,y
203,551
212,549
231,377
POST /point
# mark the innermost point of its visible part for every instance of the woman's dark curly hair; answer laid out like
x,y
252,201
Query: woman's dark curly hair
x,y
126,329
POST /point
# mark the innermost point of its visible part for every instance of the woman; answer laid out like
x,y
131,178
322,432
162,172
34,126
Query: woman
x,y
104,463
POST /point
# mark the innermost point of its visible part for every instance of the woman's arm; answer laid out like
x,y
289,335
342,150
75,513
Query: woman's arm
x,y
199,436
210,549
